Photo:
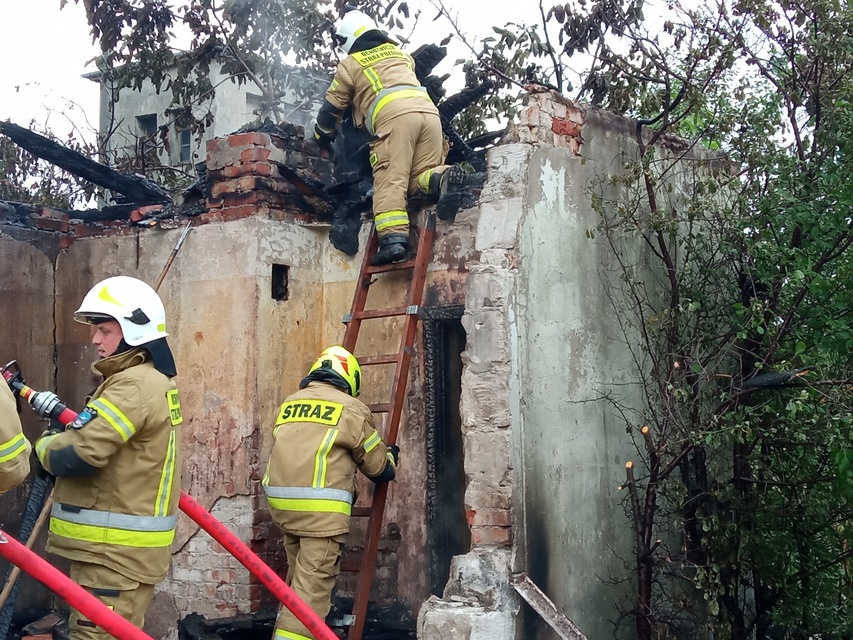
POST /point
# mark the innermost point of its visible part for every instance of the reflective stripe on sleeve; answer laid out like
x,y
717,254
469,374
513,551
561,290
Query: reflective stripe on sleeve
x,y
41,447
13,447
372,442
112,414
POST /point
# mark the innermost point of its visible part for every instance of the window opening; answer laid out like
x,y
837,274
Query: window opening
x,y
280,282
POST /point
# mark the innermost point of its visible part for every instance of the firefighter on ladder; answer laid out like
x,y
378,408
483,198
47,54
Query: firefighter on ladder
x,y
323,433
14,447
407,153
118,465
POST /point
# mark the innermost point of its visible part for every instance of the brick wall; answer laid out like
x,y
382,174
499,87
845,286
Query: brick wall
x,y
245,176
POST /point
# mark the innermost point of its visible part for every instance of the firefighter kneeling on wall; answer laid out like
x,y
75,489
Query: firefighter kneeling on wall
x,y
14,447
407,153
323,433
117,466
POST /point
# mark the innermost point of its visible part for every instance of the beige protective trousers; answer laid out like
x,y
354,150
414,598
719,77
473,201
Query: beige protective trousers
x,y
313,565
409,149
128,598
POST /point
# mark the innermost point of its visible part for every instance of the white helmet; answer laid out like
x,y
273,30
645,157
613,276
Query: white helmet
x,y
131,302
351,26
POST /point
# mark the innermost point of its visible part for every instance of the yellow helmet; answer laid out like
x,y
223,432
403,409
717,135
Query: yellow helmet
x,y
341,362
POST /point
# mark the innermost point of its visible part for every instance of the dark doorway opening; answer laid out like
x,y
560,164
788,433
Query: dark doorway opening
x,y
448,533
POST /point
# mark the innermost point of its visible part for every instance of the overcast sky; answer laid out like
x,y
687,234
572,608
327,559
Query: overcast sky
x,y
45,51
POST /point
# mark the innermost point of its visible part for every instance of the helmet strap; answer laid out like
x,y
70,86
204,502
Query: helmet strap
x,y
122,348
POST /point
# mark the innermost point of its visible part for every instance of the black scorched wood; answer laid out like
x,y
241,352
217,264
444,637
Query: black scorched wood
x,y
136,189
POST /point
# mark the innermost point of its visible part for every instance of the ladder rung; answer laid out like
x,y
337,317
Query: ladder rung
x,y
394,266
380,407
361,512
388,358
372,314
379,313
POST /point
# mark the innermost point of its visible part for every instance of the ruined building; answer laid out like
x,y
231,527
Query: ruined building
x,y
511,458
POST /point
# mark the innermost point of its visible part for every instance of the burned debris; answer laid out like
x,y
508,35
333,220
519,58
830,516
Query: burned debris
x,y
338,192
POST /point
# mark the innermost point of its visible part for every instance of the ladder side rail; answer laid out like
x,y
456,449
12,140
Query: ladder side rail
x,y
380,492
359,298
407,341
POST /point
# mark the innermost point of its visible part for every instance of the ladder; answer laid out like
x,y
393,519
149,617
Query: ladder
x,y
394,408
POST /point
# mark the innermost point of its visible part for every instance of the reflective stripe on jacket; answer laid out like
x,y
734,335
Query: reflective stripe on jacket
x,y
14,447
379,83
123,514
322,435
112,528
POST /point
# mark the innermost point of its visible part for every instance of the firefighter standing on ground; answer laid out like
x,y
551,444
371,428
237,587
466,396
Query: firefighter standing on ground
x,y
323,433
14,447
407,153
117,466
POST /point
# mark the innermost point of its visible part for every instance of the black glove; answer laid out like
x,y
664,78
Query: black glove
x,y
324,139
394,450
54,427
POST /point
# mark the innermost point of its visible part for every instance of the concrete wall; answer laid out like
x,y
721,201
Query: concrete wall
x,y
569,353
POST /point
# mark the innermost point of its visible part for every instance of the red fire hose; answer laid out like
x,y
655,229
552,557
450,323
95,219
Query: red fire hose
x,y
258,567
206,521
68,590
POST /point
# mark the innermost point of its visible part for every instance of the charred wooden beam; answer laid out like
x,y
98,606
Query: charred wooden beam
x,y
135,188
104,214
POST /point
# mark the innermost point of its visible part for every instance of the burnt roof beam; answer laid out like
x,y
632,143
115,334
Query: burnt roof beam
x,y
137,189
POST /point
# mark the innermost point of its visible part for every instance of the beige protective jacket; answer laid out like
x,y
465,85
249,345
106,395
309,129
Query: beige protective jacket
x,y
380,83
14,447
322,435
122,512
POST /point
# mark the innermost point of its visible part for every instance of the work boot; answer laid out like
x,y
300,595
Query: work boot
x,y
454,185
392,248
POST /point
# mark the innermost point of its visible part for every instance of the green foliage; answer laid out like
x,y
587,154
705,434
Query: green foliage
x,y
754,278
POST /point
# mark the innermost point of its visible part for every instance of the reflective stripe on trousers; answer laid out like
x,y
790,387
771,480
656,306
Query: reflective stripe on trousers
x,y
390,220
